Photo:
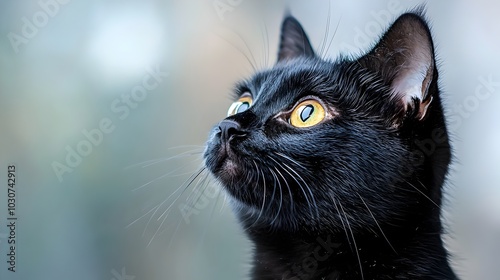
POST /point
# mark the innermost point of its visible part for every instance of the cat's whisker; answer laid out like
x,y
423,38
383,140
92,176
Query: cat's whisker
x,y
160,160
198,190
186,146
292,160
166,211
274,191
292,209
144,215
174,234
159,227
378,225
300,185
209,220
224,201
342,221
180,221
183,186
353,241
143,163
285,167
181,155
201,182
152,181
259,172
277,182
422,193
170,173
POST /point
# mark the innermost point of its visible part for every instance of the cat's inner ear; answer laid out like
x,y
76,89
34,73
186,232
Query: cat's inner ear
x,y
294,42
404,57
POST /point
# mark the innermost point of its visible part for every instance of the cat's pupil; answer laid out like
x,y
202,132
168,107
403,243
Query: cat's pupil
x,y
243,107
306,112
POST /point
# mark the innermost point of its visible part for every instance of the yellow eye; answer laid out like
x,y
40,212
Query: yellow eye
x,y
307,113
241,105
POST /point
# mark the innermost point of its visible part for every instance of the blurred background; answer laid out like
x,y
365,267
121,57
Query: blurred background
x,y
105,107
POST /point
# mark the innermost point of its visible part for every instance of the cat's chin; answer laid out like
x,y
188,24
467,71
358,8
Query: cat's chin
x,y
228,170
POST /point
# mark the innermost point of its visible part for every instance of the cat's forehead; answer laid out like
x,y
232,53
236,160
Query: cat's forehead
x,y
289,80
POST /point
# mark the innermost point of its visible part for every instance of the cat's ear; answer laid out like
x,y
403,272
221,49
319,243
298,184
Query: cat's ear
x,y
405,58
294,42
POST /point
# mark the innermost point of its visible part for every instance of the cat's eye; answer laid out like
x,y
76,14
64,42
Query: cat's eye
x,y
241,105
307,113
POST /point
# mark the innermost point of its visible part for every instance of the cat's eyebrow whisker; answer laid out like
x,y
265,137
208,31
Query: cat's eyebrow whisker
x,y
248,49
333,36
253,63
266,46
353,240
327,31
378,225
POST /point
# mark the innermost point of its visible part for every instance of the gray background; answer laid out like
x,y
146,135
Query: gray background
x,y
103,220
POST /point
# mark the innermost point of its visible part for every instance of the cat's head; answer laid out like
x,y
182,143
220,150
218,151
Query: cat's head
x,y
311,141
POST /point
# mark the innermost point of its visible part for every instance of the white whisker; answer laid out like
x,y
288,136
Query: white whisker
x,y
159,160
381,231
353,241
133,222
432,201
183,186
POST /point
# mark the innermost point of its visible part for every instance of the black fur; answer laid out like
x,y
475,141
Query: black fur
x,y
356,196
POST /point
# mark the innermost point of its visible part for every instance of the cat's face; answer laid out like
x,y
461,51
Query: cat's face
x,y
310,141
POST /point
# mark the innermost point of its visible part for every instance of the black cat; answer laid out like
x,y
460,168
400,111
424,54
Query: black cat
x,y
335,168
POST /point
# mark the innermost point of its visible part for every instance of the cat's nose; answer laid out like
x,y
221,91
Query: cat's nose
x,y
229,129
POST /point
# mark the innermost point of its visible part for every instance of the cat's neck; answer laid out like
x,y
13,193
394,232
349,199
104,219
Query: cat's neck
x,y
396,254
